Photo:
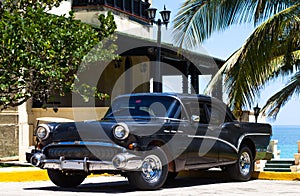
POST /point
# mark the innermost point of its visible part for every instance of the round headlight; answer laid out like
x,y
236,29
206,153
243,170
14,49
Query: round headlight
x,y
121,131
42,132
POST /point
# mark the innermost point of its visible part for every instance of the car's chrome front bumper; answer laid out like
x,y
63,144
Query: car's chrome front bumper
x,y
121,161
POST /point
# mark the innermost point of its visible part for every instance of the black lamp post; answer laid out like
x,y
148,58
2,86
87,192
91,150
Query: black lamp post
x,y
165,15
256,112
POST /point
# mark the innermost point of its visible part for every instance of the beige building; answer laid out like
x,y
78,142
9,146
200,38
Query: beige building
x,y
133,72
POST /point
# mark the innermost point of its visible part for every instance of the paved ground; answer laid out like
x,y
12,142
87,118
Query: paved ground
x,y
23,174
29,181
181,186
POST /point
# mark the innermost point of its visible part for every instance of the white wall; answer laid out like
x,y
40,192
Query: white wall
x,y
91,17
64,8
123,23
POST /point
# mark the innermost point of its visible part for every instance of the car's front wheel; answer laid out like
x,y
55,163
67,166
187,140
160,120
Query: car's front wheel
x,y
154,171
243,168
64,179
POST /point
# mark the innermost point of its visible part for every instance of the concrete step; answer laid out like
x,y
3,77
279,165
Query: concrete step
x,y
281,161
281,165
278,169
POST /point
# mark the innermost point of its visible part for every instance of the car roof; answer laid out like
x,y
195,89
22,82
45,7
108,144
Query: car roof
x,y
180,96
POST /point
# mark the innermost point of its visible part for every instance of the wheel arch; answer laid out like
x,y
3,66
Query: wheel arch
x,y
248,142
158,143
165,148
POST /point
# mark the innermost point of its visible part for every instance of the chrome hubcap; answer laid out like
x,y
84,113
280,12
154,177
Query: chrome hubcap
x,y
151,168
245,163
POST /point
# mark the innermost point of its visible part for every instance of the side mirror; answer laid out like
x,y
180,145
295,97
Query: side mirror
x,y
195,118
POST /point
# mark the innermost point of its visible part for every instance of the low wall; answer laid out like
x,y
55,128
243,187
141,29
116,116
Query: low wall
x,y
77,113
9,133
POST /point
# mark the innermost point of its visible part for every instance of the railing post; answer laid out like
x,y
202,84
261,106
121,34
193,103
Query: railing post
x,y
195,81
140,6
132,6
124,6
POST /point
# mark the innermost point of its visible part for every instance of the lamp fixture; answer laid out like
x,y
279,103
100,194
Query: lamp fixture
x,y
165,15
256,112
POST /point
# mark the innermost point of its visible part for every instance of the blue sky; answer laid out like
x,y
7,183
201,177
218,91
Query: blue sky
x,y
223,44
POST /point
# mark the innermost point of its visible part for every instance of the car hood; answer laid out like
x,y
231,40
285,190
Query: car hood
x,y
81,131
101,130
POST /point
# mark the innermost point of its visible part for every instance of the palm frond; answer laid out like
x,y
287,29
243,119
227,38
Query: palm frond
x,y
198,19
278,100
261,57
266,8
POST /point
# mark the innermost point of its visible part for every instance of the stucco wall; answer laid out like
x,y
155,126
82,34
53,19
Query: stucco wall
x,y
123,23
76,113
64,8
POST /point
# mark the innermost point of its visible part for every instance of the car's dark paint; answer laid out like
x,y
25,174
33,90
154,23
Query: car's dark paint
x,y
213,141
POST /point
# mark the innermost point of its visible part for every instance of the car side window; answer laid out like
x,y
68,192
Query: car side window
x,y
175,111
217,115
198,109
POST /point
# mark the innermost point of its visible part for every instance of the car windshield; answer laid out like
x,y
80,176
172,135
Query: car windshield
x,y
143,107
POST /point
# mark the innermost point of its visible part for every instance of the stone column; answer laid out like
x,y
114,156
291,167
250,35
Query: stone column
x,y
245,116
296,167
297,155
25,129
274,147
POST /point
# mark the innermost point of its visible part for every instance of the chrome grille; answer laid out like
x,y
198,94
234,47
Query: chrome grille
x,y
79,152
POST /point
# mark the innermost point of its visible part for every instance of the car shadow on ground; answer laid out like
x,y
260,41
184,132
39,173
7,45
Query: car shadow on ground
x,y
122,186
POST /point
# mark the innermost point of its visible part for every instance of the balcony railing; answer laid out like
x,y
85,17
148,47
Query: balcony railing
x,y
132,7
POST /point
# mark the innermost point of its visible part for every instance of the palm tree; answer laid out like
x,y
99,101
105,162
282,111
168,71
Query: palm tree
x,y
271,51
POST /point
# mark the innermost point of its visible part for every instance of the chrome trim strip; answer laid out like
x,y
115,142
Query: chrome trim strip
x,y
207,165
214,138
228,143
250,134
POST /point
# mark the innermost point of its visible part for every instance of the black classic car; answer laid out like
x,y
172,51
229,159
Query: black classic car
x,y
149,138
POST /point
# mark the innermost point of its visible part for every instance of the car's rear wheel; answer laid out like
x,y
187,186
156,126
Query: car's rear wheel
x,y
153,173
64,179
243,168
